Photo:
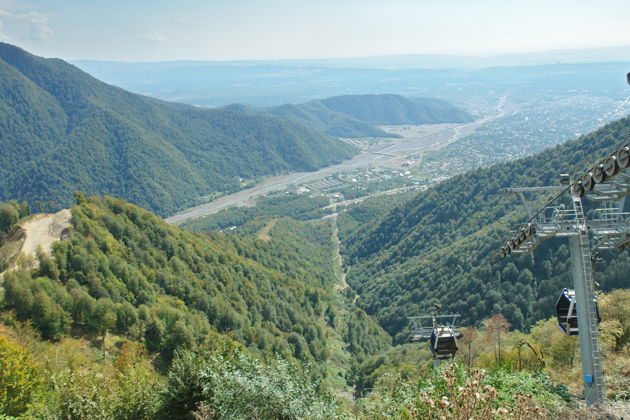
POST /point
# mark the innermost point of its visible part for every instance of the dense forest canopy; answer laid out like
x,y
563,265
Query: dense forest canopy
x,y
281,204
317,116
62,130
127,317
124,270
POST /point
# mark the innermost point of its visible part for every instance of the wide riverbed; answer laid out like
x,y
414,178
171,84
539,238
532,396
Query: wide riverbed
x,y
416,138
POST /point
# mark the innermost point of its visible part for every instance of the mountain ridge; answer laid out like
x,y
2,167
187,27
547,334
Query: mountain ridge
x,y
355,116
390,109
159,155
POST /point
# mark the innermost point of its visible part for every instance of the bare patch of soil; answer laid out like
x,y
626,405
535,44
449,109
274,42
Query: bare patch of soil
x,y
263,234
44,229
40,231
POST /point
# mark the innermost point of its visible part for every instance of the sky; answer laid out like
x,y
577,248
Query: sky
x,y
157,30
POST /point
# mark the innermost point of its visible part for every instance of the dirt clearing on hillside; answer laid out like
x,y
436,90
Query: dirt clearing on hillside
x,y
44,229
40,231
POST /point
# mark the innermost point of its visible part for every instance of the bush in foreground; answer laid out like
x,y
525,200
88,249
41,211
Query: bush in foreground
x,y
454,392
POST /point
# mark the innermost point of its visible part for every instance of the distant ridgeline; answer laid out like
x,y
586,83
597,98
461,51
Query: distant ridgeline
x,y
356,115
441,246
61,130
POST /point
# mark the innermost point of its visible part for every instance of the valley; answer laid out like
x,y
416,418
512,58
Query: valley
x,y
376,154
511,127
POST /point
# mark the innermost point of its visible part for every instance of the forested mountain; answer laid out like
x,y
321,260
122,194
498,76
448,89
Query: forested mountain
x,y
355,115
396,109
442,245
124,270
61,130
317,116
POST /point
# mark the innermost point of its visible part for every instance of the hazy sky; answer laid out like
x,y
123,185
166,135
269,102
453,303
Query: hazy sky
x,y
136,30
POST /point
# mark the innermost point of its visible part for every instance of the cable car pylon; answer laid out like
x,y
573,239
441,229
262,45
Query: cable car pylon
x,y
576,309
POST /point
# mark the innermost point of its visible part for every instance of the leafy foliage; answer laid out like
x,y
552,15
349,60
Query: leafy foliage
x,y
355,218
229,384
615,312
219,380
317,116
404,360
125,271
458,393
10,213
19,378
159,155
545,352
127,389
304,251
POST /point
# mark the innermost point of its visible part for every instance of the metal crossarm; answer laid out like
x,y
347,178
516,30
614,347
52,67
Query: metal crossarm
x,y
614,189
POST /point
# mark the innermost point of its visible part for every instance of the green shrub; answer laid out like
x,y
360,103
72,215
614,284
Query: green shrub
x,y
223,382
454,392
19,378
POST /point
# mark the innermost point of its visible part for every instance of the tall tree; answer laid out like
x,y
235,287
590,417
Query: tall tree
x,y
496,328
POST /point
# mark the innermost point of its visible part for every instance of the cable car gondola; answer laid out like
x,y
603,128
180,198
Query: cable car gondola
x,y
566,312
444,342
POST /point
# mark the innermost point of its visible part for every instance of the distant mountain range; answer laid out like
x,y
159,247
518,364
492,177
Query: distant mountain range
x,y
61,130
471,62
272,83
410,61
356,115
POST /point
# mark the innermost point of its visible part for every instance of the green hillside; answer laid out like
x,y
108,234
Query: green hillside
x,y
318,117
355,116
396,110
442,245
126,271
62,130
